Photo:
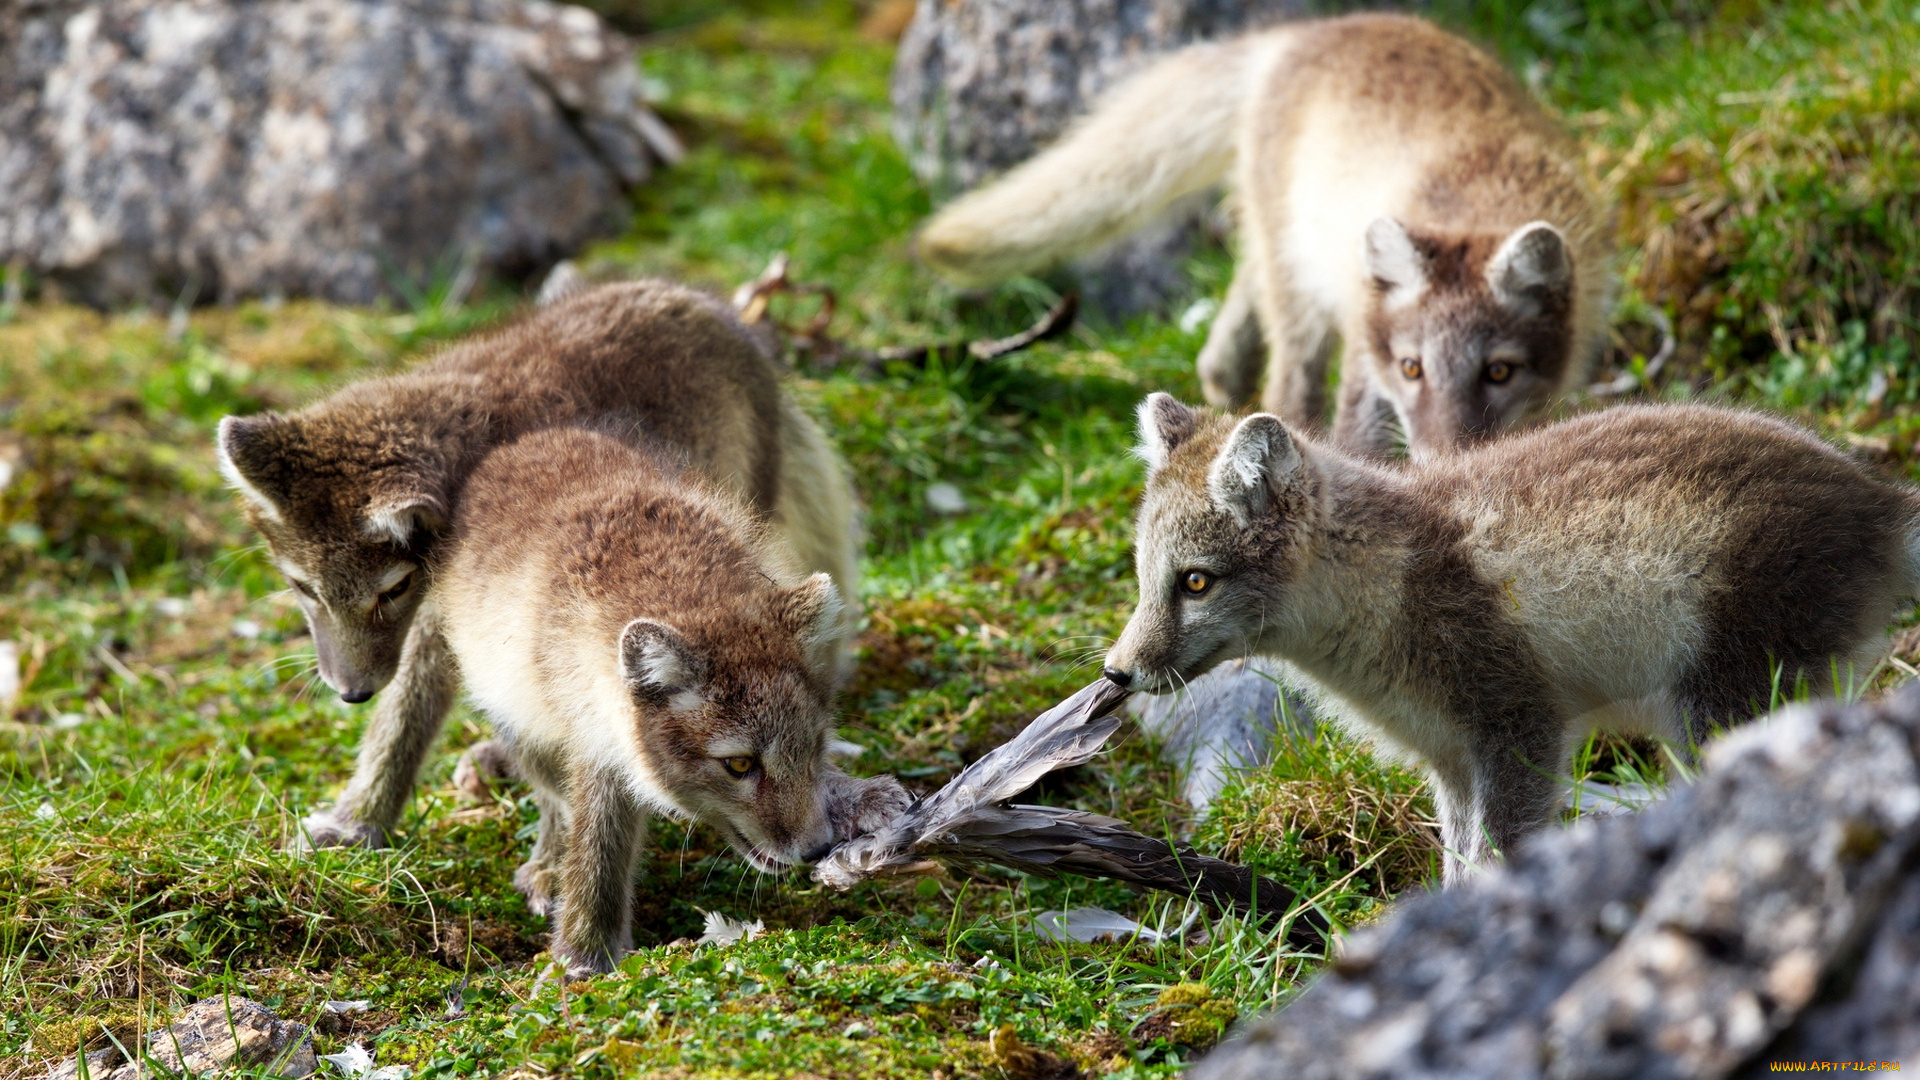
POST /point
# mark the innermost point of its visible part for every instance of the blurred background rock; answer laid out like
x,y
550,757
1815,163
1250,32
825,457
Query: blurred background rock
x,y
344,149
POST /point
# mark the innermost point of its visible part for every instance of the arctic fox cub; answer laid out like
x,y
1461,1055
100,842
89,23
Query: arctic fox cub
x,y
642,643
1397,192
353,492
1648,568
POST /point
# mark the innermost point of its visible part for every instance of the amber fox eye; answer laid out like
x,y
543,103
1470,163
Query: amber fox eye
x,y
399,590
1499,371
303,588
1411,368
740,767
1195,582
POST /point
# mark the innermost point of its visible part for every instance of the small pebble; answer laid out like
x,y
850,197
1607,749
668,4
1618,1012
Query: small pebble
x,y
9,672
944,498
1197,315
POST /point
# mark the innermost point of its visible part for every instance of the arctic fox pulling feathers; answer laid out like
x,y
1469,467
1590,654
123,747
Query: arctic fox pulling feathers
x,y
644,645
1650,569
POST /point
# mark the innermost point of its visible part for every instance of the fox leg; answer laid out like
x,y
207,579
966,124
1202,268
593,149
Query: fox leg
x,y
537,878
1364,422
405,722
1229,363
1300,341
1515,792
596,880
1462,839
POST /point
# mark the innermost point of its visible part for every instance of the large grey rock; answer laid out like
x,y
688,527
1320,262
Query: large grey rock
x,y
979,86
322,147
1222,723
1769,912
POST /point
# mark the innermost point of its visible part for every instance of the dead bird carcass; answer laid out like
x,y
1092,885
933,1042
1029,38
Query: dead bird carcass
x,y
970,822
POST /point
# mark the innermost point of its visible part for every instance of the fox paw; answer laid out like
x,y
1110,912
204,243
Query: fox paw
x,y
534,880
484,766
595,958
858,806
329,829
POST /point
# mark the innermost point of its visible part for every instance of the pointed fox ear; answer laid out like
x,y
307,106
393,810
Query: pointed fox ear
x,y
1259,458
248,454
660,666
1164,424
814,613
1532,267
405,519
1394,262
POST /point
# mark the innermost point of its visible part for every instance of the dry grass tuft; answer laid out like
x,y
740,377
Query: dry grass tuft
x,y
1780,214
1329,809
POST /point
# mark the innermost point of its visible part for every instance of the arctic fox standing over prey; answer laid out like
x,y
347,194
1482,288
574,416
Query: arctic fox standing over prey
x,y
353,492
643,644
1648,568
1397,192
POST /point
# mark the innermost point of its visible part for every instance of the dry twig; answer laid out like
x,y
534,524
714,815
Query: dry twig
x,y
754,299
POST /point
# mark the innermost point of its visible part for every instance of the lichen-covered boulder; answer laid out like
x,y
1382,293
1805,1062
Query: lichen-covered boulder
x,y
336,148
980,85
1769,912
219,1035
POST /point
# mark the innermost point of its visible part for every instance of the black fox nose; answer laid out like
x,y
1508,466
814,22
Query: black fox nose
x,y
1121,679
355,697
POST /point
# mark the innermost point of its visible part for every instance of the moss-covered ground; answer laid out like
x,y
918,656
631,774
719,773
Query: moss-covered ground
x,y
169,731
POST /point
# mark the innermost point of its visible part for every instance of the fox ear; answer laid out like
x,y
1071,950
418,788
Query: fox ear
x,y
660,666
1164,424
1259,458
247,452
405,519
1531,266
1394,262
814,613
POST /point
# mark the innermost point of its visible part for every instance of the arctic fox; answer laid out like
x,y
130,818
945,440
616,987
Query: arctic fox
x,y
643,644
1646,568
353,492
1398,193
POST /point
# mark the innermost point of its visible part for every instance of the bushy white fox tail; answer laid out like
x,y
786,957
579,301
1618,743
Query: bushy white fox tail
x,y
1165,134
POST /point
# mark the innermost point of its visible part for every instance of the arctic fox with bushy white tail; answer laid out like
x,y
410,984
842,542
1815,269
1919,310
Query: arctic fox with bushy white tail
x,y
1398,192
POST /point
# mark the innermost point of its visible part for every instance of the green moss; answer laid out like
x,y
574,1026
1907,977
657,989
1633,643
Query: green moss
x,y
1196,1016
120,1026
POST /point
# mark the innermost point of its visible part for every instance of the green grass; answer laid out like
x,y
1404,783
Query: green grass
x,y
170,731
1766,158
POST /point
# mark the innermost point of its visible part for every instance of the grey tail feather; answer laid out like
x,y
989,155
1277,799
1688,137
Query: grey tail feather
x,y
1068,734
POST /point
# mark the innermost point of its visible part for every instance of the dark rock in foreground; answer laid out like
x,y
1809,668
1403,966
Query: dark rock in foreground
x,y
336,148
1769,912
980,87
